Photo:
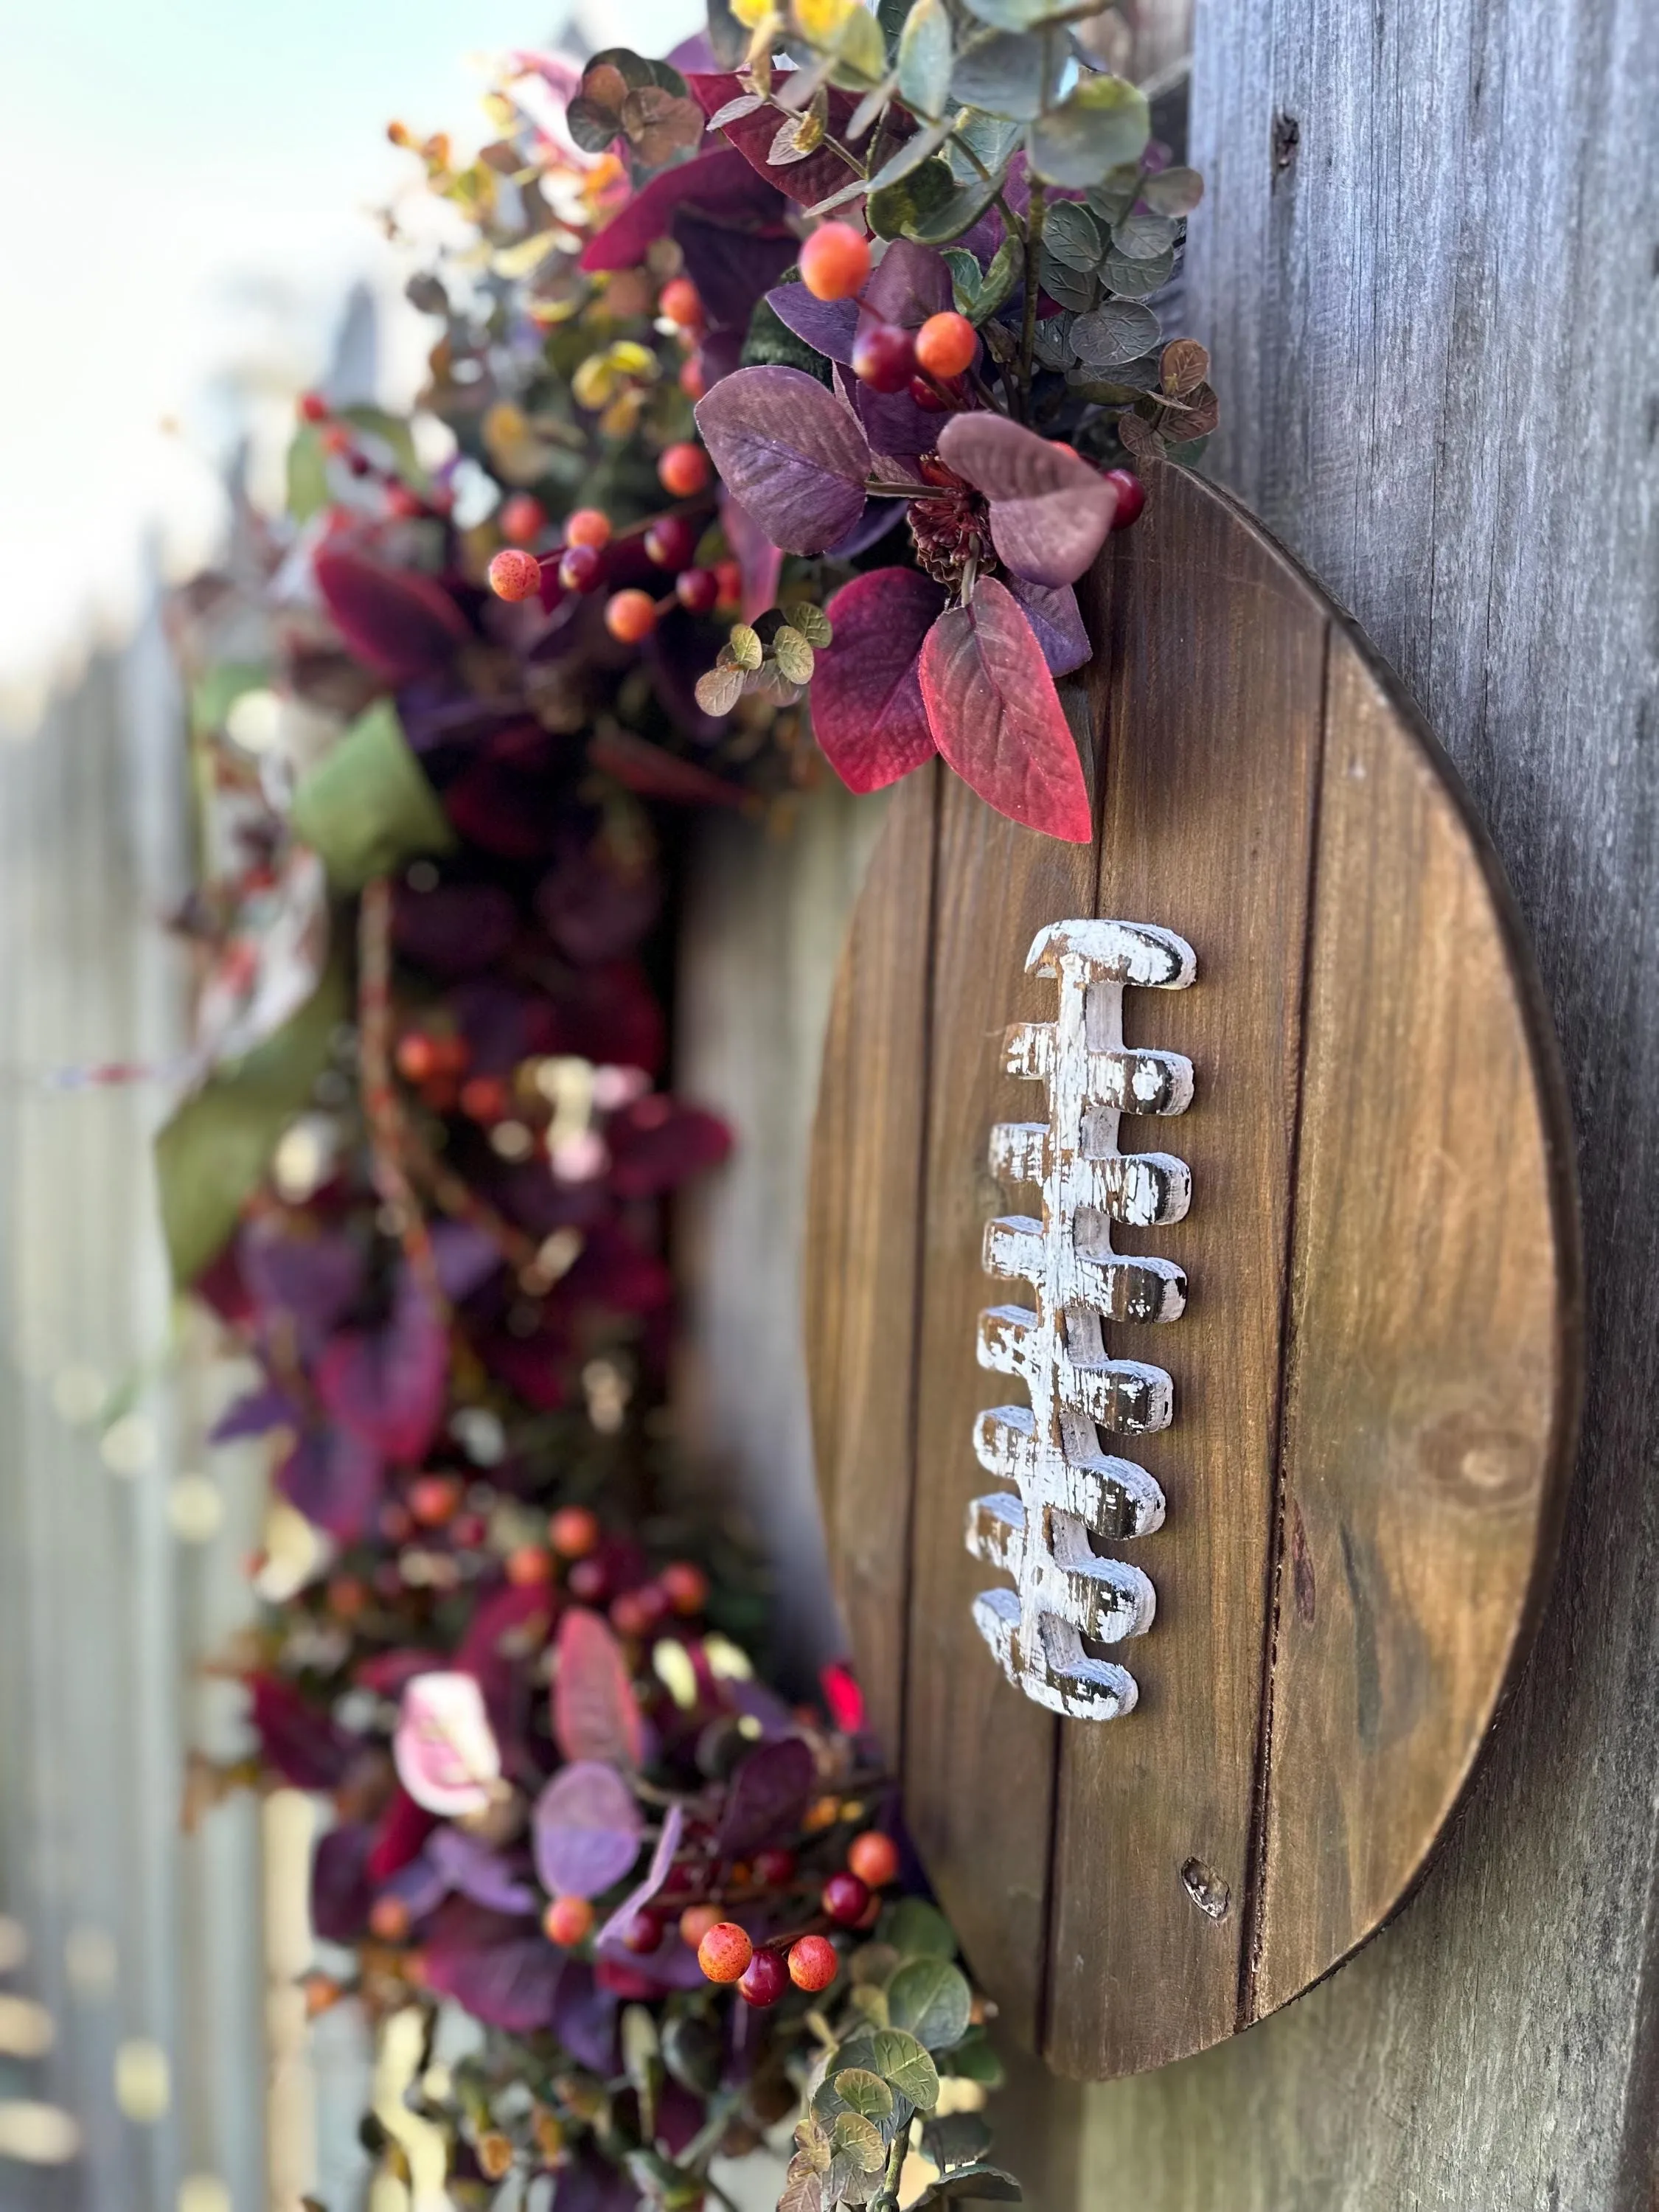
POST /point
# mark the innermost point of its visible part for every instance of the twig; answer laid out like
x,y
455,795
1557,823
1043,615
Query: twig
x,y
382,1109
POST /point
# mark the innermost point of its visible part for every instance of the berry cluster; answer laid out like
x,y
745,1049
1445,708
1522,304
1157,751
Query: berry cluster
x,y
727,1952
929,362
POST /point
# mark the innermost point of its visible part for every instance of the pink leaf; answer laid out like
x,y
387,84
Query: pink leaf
x,y
867,711
655,1875
584,1830
397,621
445,1750
1050,511
993,709
594,1712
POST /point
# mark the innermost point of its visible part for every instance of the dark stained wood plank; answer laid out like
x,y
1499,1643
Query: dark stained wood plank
x,y
1434,1359
979,1756
1211,668
861,1292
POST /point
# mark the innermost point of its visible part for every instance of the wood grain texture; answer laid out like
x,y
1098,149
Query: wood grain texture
x,y
1427,330
1376,1095
860,1296
1209,679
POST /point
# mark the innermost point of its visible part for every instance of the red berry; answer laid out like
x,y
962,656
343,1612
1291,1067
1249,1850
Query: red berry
x,y
417,1056
671,541
528,1565
1131,497
680,305
395,1525
765,1980
567,1920
406,505
581,568
643,1932
834,261
845,1898
346,1597
337,440
683,471
358,463
813,1963
515,575
523,519
452,1054
313,408
873,1858
628,1617
388,1918
630,616
589,1580
684,1586
693,383
696,1922
432,1499
724,1952
728,575
945,344
884,356
587,525
468,1530
485,1098
699,589
774,1868
930,401
574,1532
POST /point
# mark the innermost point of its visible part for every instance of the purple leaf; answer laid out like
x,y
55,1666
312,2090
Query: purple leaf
x,y
591,2183
892,421
455,928
829,326
501,1973
790,451
586,1830
419,1885
314,1279
1053,614
655,1875
867,711
584,2018
465,1257
1050,511
340,1893
387,1386
468,1864
910,284
718,182
878,517
334,1479
397,621
992,707
595,1715
758,559
767,1795
256,1415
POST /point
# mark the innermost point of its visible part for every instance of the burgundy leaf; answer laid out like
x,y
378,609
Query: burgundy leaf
x,y
334,1478
298,1741
655,1875
790,451
829,326
910,284
455,928
314,1279
466,1258
719,182
806,182
758,559
638,765
586,1829
593,908
595,1716
878,517
496,1968
867,711
732,269
1050,511
1051,611
767,1795
340,1890
992,707
590,2184
397,621
401,1831
656,1143
387,1386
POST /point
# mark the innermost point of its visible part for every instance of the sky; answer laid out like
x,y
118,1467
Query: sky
x,y
187,190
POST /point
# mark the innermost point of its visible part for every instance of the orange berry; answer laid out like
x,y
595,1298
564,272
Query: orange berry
x,y
388,1918
728,575
813,1963
337,440
322,1991
587,526
485,1098
523,519
567,1921
821,1813
834,261
873,1858
724,1952
515,575
630,616
432,1499
528,1565
684,1586
574,1532
683,470
945,344
696,1922
494,2152
693,382
679,303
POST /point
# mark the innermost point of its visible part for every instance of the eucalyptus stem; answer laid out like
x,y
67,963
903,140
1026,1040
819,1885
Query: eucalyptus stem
x,y
886,2198
1028,333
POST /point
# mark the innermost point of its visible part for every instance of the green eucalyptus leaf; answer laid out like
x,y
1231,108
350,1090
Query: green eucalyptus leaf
x,y
982,146
1072,235
900,2059
1140,237
917,1929
923,58
967,279
863,2092
1076,289
857,2140
717,690
366,807
770,340
1117,331
212,1152
1172,192
308,473
747,648
896,210
974,2060
393,431
1102,122
1001,278
1017,14
861,47
950,217
892,16
977,2183
217,691
592,127
871,107
872,2003
910,156
1053,345
1136,280
959,2139
1002,73
930,1999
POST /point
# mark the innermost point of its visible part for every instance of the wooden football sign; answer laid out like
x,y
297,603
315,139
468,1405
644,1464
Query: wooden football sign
x,y
1268,1063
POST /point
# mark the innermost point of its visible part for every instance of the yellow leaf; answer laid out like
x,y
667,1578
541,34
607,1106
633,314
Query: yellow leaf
x,y
518,260
594,381
821,21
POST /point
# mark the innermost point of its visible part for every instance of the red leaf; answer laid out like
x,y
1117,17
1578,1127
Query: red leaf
x,y
398,622
711,182
992,706
807,181
642,767
867,711
387,1386
594,1712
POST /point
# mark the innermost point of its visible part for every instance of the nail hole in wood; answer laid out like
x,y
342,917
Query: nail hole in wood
x,y
1206,1889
